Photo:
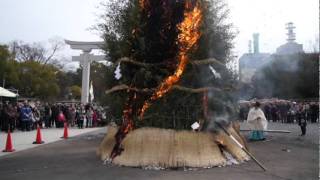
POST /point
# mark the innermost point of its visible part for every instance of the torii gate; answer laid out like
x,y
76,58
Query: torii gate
x,y
85,59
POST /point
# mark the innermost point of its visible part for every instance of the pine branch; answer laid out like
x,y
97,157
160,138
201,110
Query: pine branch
x,y
195,62
206,61
126,87
177,87
128,60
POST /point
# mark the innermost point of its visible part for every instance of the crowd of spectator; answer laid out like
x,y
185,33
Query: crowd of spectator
x,y
284,111
27,116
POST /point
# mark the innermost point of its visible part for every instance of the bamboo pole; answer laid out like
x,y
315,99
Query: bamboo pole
x,y
270,131
241,146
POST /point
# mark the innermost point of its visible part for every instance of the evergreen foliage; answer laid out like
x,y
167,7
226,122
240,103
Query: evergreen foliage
x,y
149,35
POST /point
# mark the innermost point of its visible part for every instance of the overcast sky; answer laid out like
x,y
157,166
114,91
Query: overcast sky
x,y
40,20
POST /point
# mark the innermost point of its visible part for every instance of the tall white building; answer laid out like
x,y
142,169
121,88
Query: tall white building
x,y
291,47
250,62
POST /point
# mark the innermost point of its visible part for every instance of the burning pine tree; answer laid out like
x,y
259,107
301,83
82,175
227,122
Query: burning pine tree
x,y
173,57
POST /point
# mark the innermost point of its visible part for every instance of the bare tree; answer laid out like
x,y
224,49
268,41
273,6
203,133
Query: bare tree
x,y
36,51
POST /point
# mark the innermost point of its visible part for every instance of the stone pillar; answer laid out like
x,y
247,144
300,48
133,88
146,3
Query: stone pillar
x,y
85,78
85,59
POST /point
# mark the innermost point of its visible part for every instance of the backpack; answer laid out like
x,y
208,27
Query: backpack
x,y
61,117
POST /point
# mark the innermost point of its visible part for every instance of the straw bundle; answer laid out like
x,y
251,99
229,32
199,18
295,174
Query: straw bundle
x,y
229,145
166,148
107,143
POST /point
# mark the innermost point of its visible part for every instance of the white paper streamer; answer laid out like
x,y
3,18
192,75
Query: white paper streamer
x,y
215,73
117,72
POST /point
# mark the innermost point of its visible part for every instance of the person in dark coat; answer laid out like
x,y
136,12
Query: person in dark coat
x,y
267,111
12,117
5,117
80,115
283,111
302,120
54,114
274,113
314,112
47,115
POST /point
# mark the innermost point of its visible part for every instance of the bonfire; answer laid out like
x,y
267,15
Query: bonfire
x,y
168,148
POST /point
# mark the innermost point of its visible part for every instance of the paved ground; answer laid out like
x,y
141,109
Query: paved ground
x,y
287,156
23,140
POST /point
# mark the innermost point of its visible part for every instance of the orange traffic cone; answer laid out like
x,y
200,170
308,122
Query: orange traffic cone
x,y
65,132
38,138
9,147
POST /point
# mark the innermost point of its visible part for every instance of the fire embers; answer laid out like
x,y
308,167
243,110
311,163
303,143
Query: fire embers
x,y
126,127
187,38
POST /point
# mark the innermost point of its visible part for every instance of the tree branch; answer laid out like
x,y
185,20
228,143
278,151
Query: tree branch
x,y
206,61
55,48
195,62
126,87
177,87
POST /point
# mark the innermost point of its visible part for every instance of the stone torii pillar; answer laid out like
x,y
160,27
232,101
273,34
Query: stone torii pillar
x,y
85,59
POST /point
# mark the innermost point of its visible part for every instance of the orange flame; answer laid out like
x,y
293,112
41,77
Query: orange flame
x,y
187,38
144,4
127,124
128,114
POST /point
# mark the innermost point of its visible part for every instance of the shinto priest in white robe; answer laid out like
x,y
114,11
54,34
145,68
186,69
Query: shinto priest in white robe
x,y
257,120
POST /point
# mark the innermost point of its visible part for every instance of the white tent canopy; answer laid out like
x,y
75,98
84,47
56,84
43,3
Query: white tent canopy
x,y
6,93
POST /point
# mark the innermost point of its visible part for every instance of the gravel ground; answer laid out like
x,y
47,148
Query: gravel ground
x,y
286,156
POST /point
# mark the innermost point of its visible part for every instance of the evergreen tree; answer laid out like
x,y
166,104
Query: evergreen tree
x,y
148,35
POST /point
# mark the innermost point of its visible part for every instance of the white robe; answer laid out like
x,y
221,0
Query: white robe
x,y
257,120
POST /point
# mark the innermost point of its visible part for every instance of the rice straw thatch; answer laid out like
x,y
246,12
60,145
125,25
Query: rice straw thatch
x,y
169,148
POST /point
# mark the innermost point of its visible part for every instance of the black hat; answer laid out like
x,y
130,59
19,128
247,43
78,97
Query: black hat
x,y
257,104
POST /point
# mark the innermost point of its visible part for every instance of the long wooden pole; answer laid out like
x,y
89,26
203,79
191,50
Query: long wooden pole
x,y
241,146
270,131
